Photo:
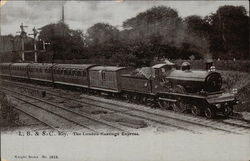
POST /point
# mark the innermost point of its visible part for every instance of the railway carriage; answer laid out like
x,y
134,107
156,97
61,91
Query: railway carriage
x,y
19,70
5,69
107,78
72,74
40,72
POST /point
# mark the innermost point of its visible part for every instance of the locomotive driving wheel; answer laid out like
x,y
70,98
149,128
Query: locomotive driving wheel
x,y
209,112
179,105
195,110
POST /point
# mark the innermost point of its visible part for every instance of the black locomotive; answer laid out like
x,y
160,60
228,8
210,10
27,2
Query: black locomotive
x,y
181,90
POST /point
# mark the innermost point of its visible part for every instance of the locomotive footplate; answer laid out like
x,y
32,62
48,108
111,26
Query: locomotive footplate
x,y
209,104
223,103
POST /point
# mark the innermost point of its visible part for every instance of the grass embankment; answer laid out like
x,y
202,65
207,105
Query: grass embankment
x,y
240,81
7,114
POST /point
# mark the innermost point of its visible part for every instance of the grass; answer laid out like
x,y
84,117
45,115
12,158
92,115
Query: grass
x,y
7,115
240,81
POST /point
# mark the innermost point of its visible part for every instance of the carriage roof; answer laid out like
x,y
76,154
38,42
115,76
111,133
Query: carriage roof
x,y
40,65
20,64
5,64
107,68
74,66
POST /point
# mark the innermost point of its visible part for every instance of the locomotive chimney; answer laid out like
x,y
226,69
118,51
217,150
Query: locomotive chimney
x,y
208,61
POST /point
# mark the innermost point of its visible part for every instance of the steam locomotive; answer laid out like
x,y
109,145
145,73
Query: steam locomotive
x,y
198,91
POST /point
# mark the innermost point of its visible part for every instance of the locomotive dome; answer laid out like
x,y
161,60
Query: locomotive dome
x,y
185,66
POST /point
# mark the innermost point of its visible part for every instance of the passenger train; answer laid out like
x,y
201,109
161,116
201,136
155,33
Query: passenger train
x,y
198,91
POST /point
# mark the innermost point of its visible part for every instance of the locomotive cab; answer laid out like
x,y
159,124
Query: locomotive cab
x,y
160,83
162,70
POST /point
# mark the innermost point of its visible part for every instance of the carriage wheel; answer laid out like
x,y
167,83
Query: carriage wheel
x,y
227,111
143,100
196,110
209,112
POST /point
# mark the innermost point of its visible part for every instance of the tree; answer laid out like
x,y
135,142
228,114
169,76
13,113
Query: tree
x,y
230,32
65,43
197,25
102,34
160,32
158,23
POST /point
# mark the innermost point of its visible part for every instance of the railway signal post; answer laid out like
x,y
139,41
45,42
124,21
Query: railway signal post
x,y
23,34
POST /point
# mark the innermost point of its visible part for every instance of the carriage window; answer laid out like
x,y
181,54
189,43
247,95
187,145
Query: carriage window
x,y
84,74
78,73
103,75
73,73
65,72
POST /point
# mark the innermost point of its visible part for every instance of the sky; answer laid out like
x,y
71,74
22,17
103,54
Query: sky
x,y
83,14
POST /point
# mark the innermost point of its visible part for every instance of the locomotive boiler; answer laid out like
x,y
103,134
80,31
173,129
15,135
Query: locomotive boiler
x,y
196,80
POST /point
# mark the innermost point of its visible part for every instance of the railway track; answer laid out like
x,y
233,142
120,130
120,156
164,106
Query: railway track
x,y
57,125
159,122
168,118
67,118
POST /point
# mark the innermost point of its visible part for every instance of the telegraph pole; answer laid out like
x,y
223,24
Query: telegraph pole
x,y
62,13
35,32
23,34
0,21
